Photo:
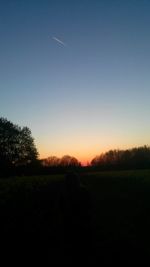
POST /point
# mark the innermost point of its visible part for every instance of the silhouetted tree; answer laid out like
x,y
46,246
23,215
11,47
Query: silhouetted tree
x,y
67,161
130,158
51,162
16,144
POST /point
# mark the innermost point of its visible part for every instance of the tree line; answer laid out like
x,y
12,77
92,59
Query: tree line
x,y
19,155
134,158
65,161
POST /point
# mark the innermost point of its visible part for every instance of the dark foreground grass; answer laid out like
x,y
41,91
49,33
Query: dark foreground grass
x,y
121,215
32,221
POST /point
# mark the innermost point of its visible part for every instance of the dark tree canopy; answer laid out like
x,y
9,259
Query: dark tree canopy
x,y
65,161
16,144
131,158
51,161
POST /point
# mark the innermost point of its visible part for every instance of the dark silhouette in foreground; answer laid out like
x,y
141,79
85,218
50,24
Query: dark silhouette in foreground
x,y
50,223
52,220
75,206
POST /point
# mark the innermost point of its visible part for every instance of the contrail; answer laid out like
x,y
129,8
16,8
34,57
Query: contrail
x,y
59,41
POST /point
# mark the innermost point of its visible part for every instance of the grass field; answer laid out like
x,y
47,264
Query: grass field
x,y
120,214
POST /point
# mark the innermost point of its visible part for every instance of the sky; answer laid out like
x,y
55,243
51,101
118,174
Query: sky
x,y
77,73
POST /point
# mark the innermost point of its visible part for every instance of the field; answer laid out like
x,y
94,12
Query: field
x,y
119,229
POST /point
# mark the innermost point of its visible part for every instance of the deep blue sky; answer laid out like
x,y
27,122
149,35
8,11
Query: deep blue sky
x,y
86,96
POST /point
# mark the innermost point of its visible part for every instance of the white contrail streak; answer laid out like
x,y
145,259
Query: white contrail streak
x,y
59,41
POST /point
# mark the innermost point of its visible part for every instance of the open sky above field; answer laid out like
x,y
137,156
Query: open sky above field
x,y
77,73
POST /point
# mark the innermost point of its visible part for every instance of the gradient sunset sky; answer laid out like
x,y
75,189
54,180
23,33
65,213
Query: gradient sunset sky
x,y
77,73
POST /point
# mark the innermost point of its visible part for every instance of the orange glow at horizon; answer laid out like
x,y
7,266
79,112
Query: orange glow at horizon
x,y
84,155
87,143
84,160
